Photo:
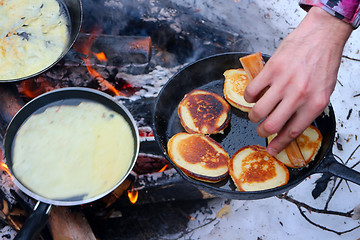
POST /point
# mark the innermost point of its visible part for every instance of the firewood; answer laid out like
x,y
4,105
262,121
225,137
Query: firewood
x,y
67,224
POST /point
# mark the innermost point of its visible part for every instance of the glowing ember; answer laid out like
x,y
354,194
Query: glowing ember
x,y
5,168
100,56
163,168
133,196
35,87
141,42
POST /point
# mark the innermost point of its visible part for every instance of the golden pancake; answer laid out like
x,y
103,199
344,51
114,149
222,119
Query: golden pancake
x,y
203,112
199,156
253,169
235,83
309,143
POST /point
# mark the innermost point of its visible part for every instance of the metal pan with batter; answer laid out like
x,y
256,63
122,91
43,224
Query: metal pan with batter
x,y
59,98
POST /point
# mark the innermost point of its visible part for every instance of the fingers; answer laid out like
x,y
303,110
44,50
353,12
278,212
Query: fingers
x,y
278,117
265,105
255,87
286,135
296,125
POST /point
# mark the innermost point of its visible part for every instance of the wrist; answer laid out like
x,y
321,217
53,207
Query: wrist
x,y
336,30
345,10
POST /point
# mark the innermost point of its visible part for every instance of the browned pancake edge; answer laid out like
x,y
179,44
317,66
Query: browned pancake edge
x,y
205,108
235,83
258,169
308,147
199,156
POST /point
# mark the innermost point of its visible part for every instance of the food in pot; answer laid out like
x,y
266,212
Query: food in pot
x,y
33,35
199,156
309,143
253,169
204,112
69,151
235,83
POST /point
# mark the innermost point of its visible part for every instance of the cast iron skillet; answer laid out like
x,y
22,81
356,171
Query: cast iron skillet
x,y
74,14
64,96
207,74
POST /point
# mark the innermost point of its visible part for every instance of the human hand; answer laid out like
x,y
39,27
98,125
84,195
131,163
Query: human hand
x,y
300,77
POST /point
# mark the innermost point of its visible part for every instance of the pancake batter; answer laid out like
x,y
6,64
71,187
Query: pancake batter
x,y
70,151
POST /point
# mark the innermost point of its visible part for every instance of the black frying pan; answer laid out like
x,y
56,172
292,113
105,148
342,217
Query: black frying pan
x,y
73,12
64,96
207,74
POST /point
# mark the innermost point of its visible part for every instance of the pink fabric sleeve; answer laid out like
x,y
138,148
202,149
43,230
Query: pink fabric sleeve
x,y
346,10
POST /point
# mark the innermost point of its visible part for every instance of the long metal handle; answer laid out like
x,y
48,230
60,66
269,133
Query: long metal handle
x,y
35,222
330,165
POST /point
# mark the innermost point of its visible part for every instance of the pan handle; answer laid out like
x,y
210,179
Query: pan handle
x,y
330,165
35,222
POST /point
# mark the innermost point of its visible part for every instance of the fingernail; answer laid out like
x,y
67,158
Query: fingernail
x,y
272,151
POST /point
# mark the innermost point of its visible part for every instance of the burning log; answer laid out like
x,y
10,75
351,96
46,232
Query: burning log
x,y
119,50
148,163
98,55
34,87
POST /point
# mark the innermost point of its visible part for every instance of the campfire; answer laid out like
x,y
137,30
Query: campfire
x,y
131,65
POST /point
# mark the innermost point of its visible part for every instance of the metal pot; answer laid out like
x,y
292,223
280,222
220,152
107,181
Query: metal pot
x,y
74,13
38,218
207,74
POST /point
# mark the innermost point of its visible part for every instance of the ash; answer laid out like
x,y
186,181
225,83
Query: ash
x,y
150,83
6,186
7,233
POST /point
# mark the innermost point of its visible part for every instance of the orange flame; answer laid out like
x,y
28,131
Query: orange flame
x,y
163,168
100,78
5,168
133,196
100,56
35,87
85,48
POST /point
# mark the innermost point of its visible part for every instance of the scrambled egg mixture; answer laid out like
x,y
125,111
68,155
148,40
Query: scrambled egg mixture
x,y
33,34
73,151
